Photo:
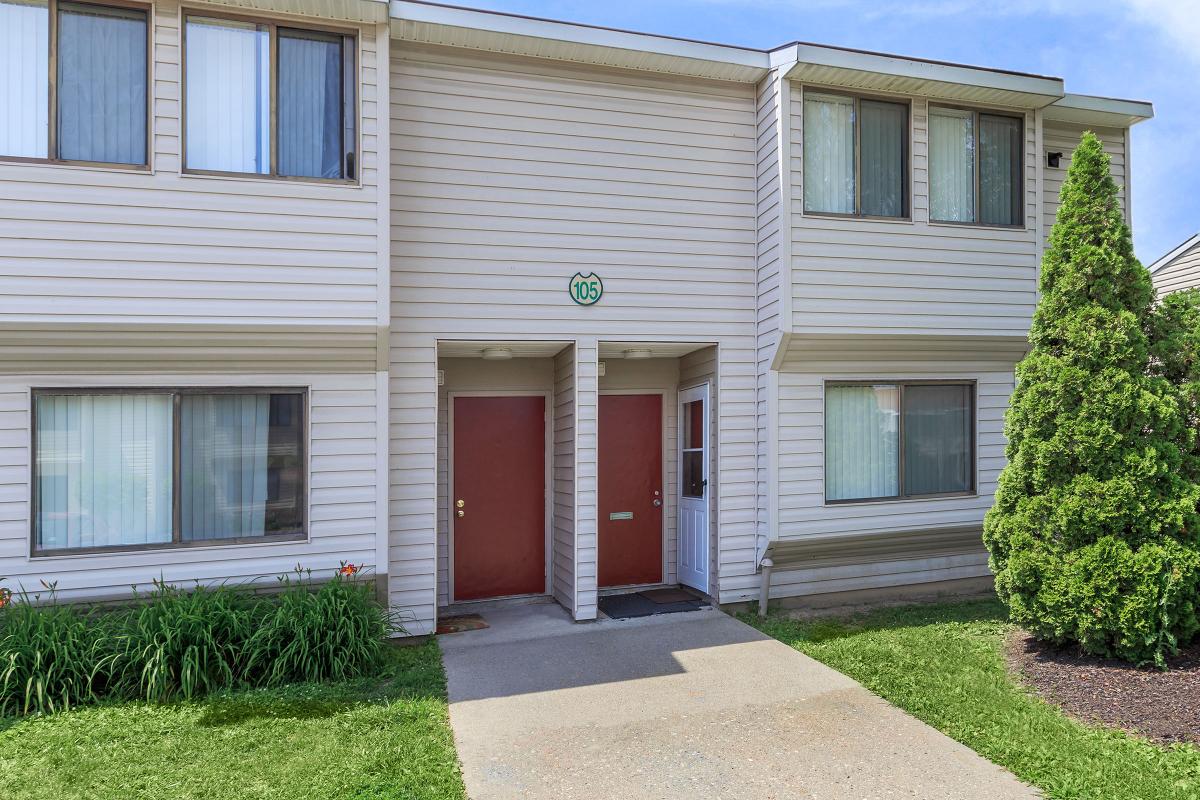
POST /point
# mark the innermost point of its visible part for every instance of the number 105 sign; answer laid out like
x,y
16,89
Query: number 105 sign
x,y
586,290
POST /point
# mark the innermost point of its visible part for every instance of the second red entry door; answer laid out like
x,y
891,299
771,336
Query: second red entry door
x,y
630,490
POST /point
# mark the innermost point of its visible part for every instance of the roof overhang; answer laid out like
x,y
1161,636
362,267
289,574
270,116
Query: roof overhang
x,y
368,11
561,41
878,72
1084,109
1174,254
425,22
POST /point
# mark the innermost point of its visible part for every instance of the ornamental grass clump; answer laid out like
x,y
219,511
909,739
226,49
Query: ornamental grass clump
x,y
329,632
52,657
180,643
1094,536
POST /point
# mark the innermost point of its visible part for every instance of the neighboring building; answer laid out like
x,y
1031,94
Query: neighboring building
x,y
1178,269
500,306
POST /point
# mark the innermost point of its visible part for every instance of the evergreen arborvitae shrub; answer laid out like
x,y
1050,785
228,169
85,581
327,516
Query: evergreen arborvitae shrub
x,y
1094,532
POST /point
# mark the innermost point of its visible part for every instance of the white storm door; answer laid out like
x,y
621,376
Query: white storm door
x,y
693,497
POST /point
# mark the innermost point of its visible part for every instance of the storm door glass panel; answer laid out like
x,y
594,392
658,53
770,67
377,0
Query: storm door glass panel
x,y
937,439
862,441
24,78
1000,170
693,449
310,104
883,128
101,84
103,470
828,153
228,109
240,465
951,165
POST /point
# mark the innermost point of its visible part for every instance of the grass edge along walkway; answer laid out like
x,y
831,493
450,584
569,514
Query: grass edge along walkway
x,y
386,736
945,665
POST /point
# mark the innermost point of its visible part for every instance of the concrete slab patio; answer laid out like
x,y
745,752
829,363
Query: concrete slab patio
x,y
694,705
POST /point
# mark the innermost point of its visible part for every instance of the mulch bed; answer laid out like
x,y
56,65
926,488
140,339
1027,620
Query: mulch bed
x,y
1162,706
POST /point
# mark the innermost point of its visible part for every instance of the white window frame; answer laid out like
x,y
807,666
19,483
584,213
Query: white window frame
x,y
972,491
52,143
177,541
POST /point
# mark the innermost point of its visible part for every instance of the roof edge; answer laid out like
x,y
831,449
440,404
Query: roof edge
x,y
1173,254
1112,111
752,60
577,33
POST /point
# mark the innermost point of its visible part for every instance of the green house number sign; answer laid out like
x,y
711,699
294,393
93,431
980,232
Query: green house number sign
x,y
586,290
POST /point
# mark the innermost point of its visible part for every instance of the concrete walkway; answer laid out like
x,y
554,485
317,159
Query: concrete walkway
x,y
693,705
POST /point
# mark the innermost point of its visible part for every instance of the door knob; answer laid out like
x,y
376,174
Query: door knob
x,y
460,503
462,513
657,502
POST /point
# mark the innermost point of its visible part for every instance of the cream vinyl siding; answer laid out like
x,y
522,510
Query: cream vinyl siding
x,y
342,494
1182,273
803,511
562,569
772,253
168,347
81,244
897,277
587,413
1063,137
510,175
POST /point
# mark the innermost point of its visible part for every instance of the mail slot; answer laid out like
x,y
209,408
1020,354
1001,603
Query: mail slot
x,y
620,515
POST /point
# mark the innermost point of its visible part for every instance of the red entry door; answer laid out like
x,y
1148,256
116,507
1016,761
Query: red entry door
x,y
498,503
631,491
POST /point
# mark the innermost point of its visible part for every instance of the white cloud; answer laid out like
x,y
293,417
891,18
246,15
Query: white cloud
x,y
1178,19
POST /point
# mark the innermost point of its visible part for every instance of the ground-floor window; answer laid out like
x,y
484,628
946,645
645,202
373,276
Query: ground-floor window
x,y
890,440
161,467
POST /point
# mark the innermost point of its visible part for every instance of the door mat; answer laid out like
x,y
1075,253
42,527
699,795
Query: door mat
x,y
628,606
464,622
675,595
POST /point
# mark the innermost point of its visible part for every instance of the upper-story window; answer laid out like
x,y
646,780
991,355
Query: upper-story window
x,y
85,98
855,156
975,167
265,99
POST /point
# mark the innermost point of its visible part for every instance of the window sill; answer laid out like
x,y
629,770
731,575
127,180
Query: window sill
x,y
979,226
276,179
856,218
124,550
887,500
91,166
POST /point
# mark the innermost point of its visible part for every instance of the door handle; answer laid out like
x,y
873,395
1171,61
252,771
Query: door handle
x,y
658,502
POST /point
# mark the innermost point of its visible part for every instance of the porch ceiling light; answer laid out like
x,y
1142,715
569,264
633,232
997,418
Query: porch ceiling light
x,y
496,354
638,352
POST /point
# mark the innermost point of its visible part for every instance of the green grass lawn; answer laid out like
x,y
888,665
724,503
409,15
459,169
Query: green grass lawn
x,y
944,664
383,737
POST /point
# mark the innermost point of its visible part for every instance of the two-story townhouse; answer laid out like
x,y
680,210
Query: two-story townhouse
x,y
610,311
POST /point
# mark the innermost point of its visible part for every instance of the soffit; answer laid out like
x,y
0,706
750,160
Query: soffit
x,y
368,11
878,72
1108,112
512,34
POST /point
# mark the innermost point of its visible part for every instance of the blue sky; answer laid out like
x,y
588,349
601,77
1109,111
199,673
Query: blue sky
x,y
1137,49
